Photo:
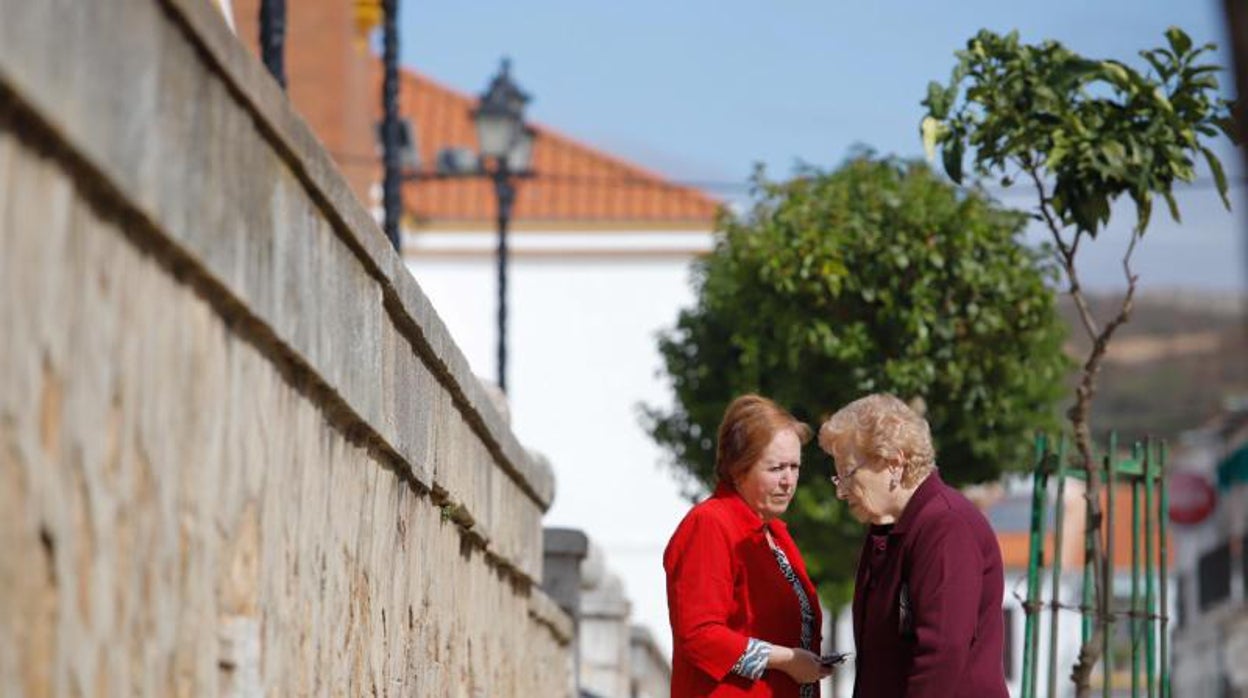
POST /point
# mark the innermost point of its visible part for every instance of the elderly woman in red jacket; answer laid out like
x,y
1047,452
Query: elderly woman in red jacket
x,y
745,617
927,598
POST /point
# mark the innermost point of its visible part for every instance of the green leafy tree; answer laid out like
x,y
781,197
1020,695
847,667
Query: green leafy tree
x,y
1082,133
879,276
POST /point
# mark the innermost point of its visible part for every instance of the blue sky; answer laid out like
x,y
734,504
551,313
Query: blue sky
x,y
701,91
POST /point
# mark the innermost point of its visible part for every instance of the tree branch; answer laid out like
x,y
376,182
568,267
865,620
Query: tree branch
x,y
1066,254
1090,653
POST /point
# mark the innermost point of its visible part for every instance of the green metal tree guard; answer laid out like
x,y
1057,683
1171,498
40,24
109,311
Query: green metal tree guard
x,y
1143,476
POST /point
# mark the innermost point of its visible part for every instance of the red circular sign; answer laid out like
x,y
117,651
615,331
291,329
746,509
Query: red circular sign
x,y
1192,498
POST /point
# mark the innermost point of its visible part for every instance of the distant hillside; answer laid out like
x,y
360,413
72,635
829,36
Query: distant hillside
x,y
1172,366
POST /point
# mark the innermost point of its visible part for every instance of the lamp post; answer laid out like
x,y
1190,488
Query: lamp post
x,y
273,38
506,150
391,198
505,153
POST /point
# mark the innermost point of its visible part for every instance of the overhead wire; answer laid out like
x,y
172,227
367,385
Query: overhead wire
x,y
726,185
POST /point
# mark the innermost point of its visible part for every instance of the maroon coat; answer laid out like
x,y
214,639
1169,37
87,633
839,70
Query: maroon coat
x,y
724,586
927,602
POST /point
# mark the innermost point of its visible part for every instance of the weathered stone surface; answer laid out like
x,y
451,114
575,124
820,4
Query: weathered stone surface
x,y
650,675
564,551
604,634
238,451
178,517
206,91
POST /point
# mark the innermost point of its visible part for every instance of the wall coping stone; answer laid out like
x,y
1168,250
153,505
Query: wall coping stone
x,y
565,541
544,610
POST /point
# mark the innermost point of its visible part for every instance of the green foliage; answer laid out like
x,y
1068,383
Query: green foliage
x,y
1091,130
876,277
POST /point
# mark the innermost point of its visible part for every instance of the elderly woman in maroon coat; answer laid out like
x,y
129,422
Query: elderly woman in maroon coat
x,y
927,598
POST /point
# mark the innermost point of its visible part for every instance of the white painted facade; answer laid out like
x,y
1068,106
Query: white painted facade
x,y
1211,641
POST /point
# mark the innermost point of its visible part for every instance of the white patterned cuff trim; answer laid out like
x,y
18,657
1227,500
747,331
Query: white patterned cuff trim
x,y
753,661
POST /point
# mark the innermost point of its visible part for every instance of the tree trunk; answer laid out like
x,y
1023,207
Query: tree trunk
x,y
1102,569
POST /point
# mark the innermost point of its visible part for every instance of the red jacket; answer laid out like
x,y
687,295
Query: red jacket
x,y
724,586
949,643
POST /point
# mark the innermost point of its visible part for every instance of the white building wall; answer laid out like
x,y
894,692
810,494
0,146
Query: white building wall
x,y
1069,630
1211,646
1211,649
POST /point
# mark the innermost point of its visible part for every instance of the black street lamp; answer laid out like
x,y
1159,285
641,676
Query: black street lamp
x,y
505,153
391,198
504,139
506,150
273,38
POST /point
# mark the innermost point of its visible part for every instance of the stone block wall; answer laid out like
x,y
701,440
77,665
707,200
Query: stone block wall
x,y
239,454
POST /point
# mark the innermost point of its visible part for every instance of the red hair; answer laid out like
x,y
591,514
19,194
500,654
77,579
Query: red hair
x,y
750,423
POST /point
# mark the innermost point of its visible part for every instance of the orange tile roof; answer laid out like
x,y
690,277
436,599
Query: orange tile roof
x,y
335,82
575,184
1015,545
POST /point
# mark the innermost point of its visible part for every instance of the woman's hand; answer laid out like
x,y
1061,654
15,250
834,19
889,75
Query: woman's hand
x,y
798,663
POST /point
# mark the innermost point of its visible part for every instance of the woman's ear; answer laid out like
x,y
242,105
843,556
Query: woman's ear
x,y
896,469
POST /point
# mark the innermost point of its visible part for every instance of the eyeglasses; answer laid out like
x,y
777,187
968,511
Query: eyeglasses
x,y
838,480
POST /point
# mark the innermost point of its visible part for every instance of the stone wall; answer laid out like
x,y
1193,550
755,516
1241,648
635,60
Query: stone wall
x,y
239,453
649,671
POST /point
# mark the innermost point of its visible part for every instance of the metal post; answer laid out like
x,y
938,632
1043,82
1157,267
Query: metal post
x,y
506,193
1163,568
1035,561
1107,656
1136,605
273,38
1150,601
1058,531
391,194
1087,603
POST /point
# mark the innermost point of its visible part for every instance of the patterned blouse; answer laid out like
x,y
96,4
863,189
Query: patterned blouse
x,y
753,661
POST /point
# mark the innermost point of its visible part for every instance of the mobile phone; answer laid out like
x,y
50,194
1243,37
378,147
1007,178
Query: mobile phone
x,y
833,659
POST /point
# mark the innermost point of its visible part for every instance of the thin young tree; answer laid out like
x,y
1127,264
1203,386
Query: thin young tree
x,y
1082,134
